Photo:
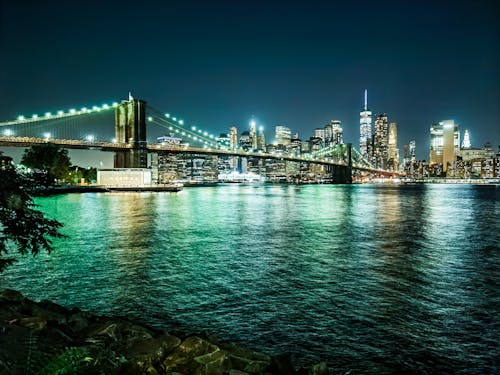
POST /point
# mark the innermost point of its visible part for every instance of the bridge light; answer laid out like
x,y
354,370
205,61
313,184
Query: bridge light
x,y
113,140
60,113
95,108
193,127
46,135
48,114
8,132
170,128
115,104
90,138
194,138
167,115
205,134
211,136
181,122
34,116
72,110
199,130
174,118
183,133
105,106
150,118
84,109
20,118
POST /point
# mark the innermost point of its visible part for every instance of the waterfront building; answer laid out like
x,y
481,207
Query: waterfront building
x,y
283,135
393,151
296,145
261,139
245,142
466,142
320,133
445,143
253,134
472,153
365,129
333,133
223,141
380,149
233,138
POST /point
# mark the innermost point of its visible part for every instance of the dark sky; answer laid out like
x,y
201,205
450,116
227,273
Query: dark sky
x,y
299,64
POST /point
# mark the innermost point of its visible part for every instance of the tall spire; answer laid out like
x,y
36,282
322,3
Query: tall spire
x,y
366,99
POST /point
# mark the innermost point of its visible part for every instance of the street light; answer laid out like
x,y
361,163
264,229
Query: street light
x,y
89,138
46,135
8,132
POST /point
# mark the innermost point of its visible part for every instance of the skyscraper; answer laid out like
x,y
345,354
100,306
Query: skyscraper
x,y
333,133
233,137
466,141
261,139
393,151
253,134
365,128
445,142
380,150
283,135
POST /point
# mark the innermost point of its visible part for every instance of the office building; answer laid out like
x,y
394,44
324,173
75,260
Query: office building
x,y
445,143
365,129
393,151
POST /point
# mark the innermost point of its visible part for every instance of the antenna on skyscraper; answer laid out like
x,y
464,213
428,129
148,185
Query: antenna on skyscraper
x,y
366,99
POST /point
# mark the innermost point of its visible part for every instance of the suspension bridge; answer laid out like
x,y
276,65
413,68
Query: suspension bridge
x,y
138,127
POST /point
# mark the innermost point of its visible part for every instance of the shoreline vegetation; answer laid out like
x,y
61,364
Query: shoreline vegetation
x,y
46,338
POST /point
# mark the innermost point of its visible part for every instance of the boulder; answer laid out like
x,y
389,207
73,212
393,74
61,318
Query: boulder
x,y
11,295
34,322
182,358
282,365
319,369
215,363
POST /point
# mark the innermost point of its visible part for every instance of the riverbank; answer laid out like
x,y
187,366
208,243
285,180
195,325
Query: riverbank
x,y
46,338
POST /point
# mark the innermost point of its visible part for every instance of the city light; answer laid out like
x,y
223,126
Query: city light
x,y
181,122
34,116
48,114
60,113
89,138
72,111
20,118
46,135
8,132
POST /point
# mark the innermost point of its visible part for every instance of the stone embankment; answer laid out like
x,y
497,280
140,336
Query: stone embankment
x,y
45,338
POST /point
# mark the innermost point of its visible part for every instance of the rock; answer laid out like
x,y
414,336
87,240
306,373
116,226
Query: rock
x,y
246,360
152,351
182,359
215,363
78,321
319,369
281,365
35,323
11,295
50,316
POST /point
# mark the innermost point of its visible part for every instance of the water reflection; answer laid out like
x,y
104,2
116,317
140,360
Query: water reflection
x,y
379,279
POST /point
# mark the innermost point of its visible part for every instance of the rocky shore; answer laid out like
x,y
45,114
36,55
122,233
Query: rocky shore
x,y
45,338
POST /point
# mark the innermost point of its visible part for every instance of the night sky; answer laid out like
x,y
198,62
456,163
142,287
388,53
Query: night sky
x,y
299,64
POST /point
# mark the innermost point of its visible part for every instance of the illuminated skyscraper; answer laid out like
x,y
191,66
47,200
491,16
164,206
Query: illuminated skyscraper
x,y
253,134
333,133
466,141
445,143
393,151
283,135
380,150
261,139
233,137
365,128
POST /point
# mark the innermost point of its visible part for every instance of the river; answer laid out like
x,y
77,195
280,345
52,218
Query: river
x,y
373,279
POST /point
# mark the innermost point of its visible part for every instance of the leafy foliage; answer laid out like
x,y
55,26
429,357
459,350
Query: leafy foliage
x,y
52,161
20,222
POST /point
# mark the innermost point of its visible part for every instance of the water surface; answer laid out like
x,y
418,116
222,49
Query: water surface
x,y
374,279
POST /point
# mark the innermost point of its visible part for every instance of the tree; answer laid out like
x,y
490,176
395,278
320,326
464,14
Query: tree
x,y
49,159
20,223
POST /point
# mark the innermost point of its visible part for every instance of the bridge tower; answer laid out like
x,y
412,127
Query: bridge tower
x,y
343,174
130,128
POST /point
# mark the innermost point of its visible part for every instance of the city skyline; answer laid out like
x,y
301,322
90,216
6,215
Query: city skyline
x,y
299,65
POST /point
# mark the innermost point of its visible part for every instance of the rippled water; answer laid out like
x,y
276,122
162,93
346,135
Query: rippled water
x,y
372,279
